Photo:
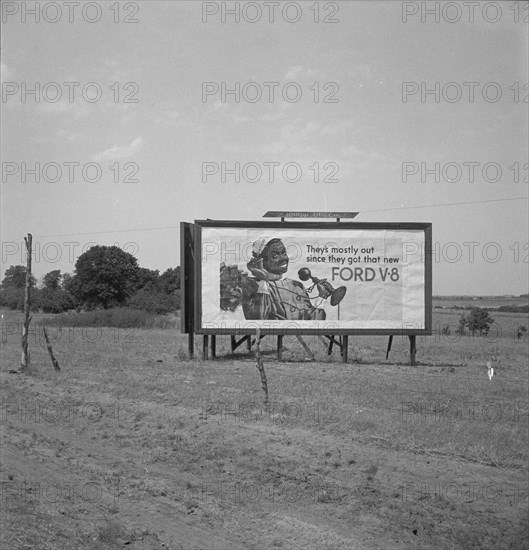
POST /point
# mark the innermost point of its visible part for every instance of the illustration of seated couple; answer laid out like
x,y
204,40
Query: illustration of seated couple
x,y
270,295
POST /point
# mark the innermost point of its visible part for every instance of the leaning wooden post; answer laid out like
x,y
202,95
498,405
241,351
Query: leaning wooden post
x,y
390,341
260,366
25,361
50,351
305,347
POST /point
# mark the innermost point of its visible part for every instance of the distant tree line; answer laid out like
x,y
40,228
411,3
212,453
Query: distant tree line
x,y
105,277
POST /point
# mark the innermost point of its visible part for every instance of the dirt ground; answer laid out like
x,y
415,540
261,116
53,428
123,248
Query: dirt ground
x,y
134,446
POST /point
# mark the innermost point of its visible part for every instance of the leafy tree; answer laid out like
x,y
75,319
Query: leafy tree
x,y
55,301
53,298
67,279
170,280
70,284
104,276
12,287
15,277
146,276
478,320
52,280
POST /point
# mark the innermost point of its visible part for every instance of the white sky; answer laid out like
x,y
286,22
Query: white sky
x,y
172,130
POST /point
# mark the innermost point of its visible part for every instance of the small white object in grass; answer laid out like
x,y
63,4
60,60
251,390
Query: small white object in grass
x,y
490,370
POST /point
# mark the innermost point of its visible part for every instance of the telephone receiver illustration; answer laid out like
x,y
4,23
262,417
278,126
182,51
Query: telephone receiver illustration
x,y
324,287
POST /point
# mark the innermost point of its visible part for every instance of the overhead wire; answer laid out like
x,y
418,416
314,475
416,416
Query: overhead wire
x,y
362,211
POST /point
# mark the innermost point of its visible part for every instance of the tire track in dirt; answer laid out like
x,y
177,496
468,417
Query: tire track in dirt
x,y
284,453
157,517
80,462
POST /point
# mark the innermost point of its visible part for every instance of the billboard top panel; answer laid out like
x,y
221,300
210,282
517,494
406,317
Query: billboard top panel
x,y
281,214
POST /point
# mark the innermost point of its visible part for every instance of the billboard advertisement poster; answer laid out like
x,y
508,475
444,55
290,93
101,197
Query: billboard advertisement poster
x,y
334,278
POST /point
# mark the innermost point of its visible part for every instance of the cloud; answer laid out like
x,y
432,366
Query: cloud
x,y
119,151
343,129
6,72
76,109
70,137
297,72
171,114
293,72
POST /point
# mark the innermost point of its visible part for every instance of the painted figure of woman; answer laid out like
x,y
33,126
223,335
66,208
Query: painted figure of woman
x,y
268,295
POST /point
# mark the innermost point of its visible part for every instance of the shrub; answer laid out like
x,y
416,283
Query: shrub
x,y
514,309
55,301
12,298
118,317
153,300
521,331
460,330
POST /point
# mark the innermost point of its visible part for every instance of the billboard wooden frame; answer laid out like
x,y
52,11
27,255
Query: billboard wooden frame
x,y
414,226
187,282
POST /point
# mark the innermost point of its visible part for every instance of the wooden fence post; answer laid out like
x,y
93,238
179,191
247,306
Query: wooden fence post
x,y
260,366
25,360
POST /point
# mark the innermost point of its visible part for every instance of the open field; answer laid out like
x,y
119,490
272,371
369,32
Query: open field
x,y
135,446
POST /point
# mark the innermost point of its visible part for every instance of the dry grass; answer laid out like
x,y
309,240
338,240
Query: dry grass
x,y
350,429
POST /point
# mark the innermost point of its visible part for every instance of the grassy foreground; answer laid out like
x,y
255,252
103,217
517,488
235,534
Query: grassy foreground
x,y
133,443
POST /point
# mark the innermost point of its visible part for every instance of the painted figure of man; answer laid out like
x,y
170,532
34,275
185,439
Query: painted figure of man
x,y
268,295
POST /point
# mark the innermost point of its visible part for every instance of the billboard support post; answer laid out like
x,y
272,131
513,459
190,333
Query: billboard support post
x,y
205,343
279,346
413,349
213,346
191,344
345,347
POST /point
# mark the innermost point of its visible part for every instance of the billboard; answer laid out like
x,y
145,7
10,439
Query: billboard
x,y
312,277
